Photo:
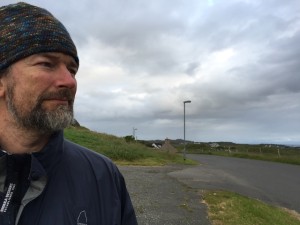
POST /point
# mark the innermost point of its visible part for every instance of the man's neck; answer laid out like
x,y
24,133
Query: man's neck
x,y
20,141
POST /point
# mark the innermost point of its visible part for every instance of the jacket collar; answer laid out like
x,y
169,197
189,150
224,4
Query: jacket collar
x,y
42,162
50,155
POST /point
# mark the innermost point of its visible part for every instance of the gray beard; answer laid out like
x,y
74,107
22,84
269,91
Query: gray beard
x,y
40,119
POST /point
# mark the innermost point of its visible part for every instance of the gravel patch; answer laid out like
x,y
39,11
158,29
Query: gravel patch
x,y
160,199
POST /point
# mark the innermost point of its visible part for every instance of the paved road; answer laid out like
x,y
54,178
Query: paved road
x,y
274,183
162,200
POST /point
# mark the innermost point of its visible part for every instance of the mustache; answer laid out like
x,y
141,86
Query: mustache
x,y
64,94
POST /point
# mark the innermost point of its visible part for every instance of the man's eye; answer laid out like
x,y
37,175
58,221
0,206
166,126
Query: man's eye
x,y
46,64
72,70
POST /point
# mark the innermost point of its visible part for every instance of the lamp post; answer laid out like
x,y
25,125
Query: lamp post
x,y
184,153
133,133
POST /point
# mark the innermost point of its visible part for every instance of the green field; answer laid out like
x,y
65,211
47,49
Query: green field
x,y
121,151
141,153
267,152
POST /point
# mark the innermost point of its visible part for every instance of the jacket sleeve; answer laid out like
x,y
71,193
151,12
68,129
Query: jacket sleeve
x,y
127,210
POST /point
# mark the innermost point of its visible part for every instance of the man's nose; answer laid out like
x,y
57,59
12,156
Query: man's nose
x,y
66,78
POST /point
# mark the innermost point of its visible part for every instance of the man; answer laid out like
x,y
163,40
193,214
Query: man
x,y
45,179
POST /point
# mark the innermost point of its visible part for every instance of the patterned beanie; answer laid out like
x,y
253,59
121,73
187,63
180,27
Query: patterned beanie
x,y
26,30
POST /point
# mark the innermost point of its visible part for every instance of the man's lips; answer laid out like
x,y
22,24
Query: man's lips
x,y
59,100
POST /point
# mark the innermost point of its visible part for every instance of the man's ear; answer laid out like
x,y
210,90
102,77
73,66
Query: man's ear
x,y
2,86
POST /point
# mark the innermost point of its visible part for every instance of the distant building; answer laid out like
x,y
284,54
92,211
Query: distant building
x,y
156,146
214,145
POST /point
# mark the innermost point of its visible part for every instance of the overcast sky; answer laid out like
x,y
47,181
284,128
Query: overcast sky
x,y
238,61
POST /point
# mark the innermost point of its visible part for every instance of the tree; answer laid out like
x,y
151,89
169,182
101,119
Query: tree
x,y
129,138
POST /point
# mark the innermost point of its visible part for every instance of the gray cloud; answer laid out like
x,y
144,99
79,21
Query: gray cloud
x,y
237,61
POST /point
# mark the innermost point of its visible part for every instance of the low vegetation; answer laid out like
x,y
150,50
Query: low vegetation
x,y
226,208
127,151
120,150
267,152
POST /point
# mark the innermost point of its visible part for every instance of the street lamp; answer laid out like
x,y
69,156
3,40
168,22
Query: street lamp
x,y
184,153
133,133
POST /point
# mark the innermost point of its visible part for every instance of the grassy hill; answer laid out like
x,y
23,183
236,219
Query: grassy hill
x,y
140,153
119,150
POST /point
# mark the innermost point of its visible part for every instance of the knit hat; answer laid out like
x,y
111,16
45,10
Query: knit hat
x,y
26,30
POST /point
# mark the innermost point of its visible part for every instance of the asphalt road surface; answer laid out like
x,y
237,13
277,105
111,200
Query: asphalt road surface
x,y
159,199
273,183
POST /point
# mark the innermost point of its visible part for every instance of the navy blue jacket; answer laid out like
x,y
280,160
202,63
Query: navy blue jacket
x,y
71,185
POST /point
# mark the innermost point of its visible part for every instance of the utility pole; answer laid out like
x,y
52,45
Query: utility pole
x,y
184,150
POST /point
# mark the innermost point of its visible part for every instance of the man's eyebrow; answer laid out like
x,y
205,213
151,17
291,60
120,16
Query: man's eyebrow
x,y
54,56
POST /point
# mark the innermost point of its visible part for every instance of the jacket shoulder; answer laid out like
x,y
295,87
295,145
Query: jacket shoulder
x,y
82,159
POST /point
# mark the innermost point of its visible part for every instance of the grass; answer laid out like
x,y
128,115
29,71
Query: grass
x,y
282,154
226,208
289,159
120,151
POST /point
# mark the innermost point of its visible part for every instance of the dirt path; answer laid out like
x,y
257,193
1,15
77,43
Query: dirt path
x,y
162,200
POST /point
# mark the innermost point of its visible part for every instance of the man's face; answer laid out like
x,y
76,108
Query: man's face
x,y
41,90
